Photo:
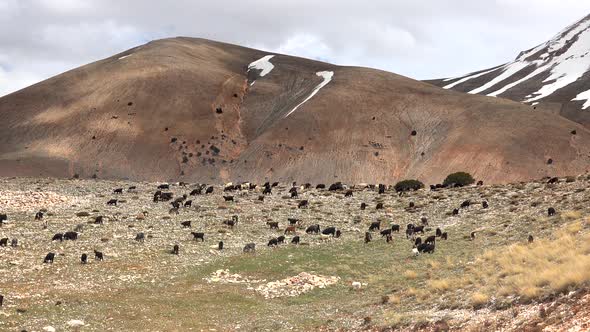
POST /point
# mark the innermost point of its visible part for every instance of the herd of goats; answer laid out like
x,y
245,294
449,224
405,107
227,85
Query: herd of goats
x,y
163,194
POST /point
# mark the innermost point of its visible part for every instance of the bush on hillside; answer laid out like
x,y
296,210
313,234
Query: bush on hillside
x,y
408,185
459,179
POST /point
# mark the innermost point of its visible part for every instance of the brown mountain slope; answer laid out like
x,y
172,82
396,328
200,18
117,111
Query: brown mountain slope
x,y
185,109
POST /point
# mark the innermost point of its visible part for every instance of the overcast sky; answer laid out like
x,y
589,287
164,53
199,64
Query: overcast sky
x,y
417,38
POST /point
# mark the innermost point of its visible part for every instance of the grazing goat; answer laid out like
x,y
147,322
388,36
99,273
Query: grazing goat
x,y
1,300
303,203
348,194
472,235
281,239
175,249
112,202
386,232
4,242
58,236
295,240
198,235
379,206
84,259
290,230
320,186
363,206
426,248
49,258
418,241
330,231
267,191
140,237
188,203
388,238
455,212
485,204
118,191
196,192
70,236
292,221
186,224
368,237
553,180
220,245
381,189
531,239
39,215
273,242
424,221
228,198
313,229
231,223
336,186
409,233
164,186
551,212
99,220
273,224
444,236
14,243
465,204
419,229
375,226
99,256
209,190
395,228
294,194
431,239
250,247
438,232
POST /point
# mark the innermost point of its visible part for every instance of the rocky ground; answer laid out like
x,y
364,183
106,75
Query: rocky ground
x,y
142,286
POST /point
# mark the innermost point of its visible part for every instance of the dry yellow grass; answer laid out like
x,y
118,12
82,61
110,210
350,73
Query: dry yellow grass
x,y
441,285
536,269
409,274
571,215
479,299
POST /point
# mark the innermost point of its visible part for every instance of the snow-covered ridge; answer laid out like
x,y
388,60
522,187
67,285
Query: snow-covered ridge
x,y
327,75
561,61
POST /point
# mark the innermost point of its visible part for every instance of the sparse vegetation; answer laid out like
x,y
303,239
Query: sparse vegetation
x,y
408,185
459,179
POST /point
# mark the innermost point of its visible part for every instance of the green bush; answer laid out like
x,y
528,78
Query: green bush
x,y
459,178
408,185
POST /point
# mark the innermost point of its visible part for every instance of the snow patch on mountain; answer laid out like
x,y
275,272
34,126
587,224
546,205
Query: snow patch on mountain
x,y
262,64
509,70
584,96
450,86
327,75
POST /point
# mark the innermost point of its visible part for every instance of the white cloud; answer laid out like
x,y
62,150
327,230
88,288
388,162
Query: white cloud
x,y
419,38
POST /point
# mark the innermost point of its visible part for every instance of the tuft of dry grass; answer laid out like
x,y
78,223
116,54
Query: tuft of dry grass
x,y
478,299
441,285
409,274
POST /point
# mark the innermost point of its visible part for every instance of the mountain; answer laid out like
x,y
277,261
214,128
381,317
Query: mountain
x,y
197,110
553,76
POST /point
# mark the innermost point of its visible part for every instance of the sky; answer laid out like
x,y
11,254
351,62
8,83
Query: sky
x,y
421,39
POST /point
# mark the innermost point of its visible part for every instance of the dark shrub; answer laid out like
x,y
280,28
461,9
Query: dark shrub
x,y
459,179
408,185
